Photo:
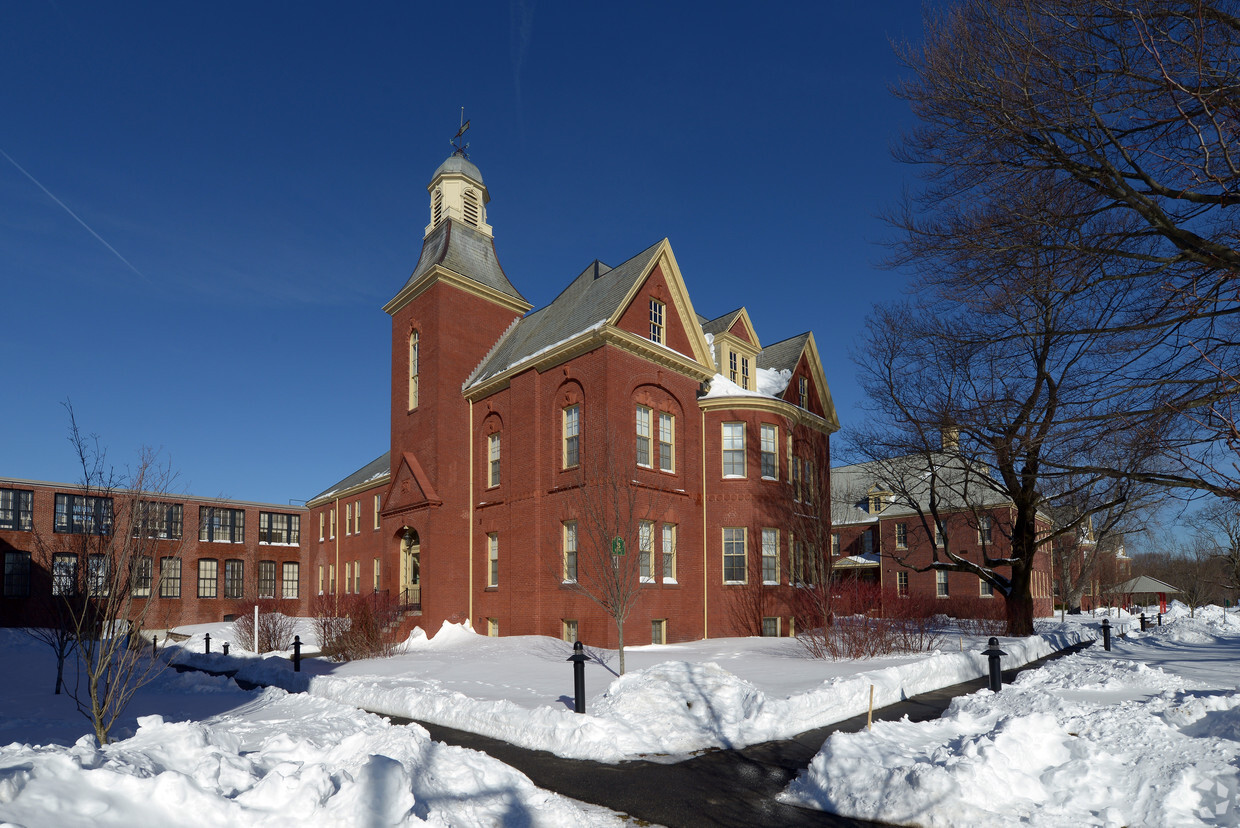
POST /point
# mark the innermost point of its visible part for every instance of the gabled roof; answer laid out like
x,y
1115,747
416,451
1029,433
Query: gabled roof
x,y
372,471
590,301
720,324
461,249
783,356
959,488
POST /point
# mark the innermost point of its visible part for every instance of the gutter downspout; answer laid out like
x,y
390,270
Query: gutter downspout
x,y
336,526
470,510
705,543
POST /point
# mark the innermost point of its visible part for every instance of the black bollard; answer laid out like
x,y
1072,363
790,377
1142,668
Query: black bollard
x,y
1106,634
225,648
297,654
1143,623
579,658
993,652
1160,619
154,644
208,638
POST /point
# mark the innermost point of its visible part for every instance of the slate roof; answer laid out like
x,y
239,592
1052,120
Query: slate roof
x,y
850,486
589,299
783,355
459,164
371,471
464,250
721,324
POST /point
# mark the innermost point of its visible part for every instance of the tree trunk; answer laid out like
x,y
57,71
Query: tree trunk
x,y
1020,604
620,634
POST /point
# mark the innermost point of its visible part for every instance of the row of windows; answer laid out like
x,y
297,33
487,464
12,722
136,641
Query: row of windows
x,y
352,577
803,568
570,632
98,581
352,519
985,535
649,536
89,514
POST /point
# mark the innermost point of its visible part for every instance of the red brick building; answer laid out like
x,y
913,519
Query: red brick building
x,y
206,559
884,532
522,440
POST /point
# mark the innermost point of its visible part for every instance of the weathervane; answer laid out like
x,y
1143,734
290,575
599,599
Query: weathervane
x,y
456,139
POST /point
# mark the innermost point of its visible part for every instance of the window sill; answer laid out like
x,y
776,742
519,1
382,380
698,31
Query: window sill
x,y
736,477
670,582
770,583
647,580
735,583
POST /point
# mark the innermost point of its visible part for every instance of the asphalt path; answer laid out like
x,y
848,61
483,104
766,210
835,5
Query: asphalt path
x,y
730,788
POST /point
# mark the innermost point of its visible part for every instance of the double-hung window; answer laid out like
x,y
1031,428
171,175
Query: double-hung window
x,y
413,370
493,460
290,582
669,552
169,577
234,578
734,566
141,576
770,556
493,559
208,578
16,574
656,321
572,436
940,583
770,452
570,551
667,442
733,449
64,574
901,536
643,436
266,579
984,533
645,550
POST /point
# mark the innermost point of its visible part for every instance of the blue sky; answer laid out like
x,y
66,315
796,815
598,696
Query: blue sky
x,y
218,198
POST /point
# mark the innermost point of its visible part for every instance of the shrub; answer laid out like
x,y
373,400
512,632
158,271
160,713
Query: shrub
x,y
275,630
365,630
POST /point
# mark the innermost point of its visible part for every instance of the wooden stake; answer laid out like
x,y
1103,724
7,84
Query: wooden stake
x,y
869,718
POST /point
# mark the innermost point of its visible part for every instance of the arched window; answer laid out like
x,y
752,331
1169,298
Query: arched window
x,y
413,370
470,208
436,207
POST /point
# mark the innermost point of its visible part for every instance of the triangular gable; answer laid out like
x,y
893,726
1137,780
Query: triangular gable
x,y
682,319
742,328
809,364
410,488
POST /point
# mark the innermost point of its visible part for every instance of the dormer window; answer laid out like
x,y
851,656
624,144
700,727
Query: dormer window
x,y
803,391
732,372
437,207
745,373
471,209
879,501
656,321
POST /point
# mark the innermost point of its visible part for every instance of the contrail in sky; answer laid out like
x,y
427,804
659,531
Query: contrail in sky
x,y
76,218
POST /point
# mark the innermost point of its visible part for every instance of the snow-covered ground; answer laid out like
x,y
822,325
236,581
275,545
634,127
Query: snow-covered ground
x,y
1148,735
197,749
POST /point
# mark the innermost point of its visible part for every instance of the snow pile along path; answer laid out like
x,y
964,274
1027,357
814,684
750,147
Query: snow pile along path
x,y
671,708
279,760
1092,739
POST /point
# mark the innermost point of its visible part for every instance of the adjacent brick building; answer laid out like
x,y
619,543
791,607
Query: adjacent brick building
x,y
206,559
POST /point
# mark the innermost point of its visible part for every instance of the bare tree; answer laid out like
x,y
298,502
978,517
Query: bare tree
x,y
1216,528
613,536
103,555
1121,116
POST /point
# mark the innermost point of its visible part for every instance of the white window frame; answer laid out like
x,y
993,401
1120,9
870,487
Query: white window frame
x,y
493,559
643,426
730,541
769,444
733,444
493,460
569,557
667,442
669,553
770,556
570,447
941,589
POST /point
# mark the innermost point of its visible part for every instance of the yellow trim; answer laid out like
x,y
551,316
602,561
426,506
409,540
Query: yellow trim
x,y
810,351
470,588
705,582
798,415
585,342
360,487
680,300
439,273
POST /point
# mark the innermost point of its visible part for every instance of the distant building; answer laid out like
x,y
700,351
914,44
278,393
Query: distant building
x,y
884,533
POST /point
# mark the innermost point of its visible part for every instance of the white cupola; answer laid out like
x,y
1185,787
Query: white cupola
x,y
457,193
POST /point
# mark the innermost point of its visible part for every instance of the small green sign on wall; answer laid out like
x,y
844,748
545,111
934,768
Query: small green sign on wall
x,y
617,546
